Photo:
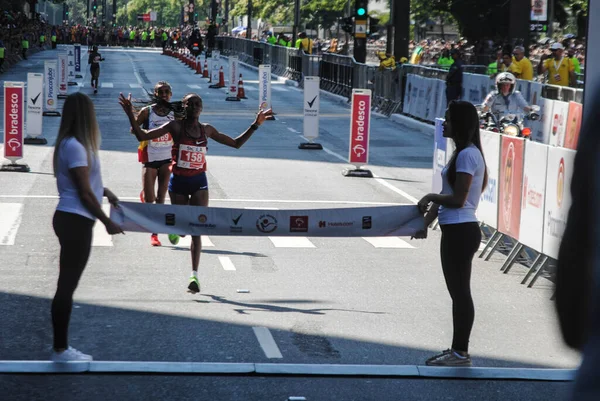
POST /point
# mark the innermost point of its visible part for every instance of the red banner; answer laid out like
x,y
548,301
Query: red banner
x,y
511,182
360,127
13,120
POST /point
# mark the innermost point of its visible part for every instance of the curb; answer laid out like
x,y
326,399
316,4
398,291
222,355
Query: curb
x,y
411,123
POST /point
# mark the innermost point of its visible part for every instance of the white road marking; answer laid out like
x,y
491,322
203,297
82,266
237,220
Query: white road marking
x,y
10,220
133,86
293,130
134,198
267,343
194,86
187,241
250,88
226,263
107,85
291,242
279,88
101,237
388,242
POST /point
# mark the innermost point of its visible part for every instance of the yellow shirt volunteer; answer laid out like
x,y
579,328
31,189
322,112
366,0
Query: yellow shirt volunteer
x,y
526,68
512,68
559,70
307,45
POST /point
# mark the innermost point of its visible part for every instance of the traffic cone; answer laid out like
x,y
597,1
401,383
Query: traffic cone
x,y
205,72
221,83
241,93
198,65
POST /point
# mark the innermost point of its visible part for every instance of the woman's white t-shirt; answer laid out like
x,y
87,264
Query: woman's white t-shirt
x,y
469,161
72,154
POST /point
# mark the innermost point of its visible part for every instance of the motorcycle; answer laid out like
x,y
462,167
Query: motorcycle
x,y
196,48
509,124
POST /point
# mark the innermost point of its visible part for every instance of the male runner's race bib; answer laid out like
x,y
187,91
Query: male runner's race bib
x,y
191,157
163,141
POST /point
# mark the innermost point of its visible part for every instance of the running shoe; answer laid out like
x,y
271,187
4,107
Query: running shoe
x,y
449,358
95,91
70,354
194,286
142,199
154,241
174,239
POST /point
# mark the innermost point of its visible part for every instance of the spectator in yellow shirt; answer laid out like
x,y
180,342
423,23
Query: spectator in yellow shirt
x,y
523,63
559,68
508,65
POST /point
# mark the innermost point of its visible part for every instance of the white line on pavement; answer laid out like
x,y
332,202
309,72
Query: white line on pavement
x,y
186,241
107,85
10,219
194,86
132,86
293,130
279,88
388,242
267,343
291,242
101,237
226,263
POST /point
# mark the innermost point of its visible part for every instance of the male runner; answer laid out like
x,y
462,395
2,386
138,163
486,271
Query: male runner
x,y
94,62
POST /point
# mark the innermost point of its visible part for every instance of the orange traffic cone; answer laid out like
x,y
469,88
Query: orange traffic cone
x,y
221,83
205,72
241,93
198,65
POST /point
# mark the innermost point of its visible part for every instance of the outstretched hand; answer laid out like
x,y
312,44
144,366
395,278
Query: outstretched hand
x,y
262,116
125,103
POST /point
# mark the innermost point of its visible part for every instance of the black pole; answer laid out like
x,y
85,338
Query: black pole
x,y
226,19
519,25
296,21
114,10
401,28
249,27
389,45
87,14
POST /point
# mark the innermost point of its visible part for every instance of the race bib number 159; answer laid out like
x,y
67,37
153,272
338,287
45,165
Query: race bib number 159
x,y
191,157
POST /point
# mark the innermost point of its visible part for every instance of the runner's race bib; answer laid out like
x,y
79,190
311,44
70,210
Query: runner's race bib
x,y
191,157
163,141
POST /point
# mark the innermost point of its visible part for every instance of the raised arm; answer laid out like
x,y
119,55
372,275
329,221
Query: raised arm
x,y
239,141
142,134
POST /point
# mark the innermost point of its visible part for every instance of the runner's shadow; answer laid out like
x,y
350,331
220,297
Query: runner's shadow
x,y
249,307
222,252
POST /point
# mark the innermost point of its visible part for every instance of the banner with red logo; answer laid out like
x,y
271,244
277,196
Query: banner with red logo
x,y
560,111
487,212
558,198
511,182
51,78
573,125
360,119
14,96
63,73
404,220
533,197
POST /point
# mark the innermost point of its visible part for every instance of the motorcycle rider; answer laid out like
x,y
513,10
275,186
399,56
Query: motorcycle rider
x,y
195,43
505,100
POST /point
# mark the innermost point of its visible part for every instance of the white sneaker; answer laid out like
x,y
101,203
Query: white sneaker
x,y
70,354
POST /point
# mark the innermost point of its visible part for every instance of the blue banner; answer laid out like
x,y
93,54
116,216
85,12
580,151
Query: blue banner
x,y
77,58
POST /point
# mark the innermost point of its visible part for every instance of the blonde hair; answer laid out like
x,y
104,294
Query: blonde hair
x,y
79,122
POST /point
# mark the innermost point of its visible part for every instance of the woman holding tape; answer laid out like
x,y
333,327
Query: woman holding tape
x,y
464,179
188,184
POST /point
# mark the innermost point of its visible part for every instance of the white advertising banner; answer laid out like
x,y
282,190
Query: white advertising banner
x,y
214,67
487,212
407,94
311,107
264,86
35,100
543,129
71,61
234,72
539,10
533,199
558,198
432,105
403,220
440,145
442,104
63,72
560,112
51,81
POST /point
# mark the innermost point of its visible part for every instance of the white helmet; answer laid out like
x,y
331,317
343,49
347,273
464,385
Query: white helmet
x,y
506,78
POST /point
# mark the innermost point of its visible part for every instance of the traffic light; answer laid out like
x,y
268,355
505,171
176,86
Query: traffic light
x,y
373,25
67,11
94,5
361,9
346,24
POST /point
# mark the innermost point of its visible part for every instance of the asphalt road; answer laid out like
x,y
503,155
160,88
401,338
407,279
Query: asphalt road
x,y
313,301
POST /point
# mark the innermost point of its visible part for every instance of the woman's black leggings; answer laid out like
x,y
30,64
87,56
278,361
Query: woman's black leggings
x,y
74,233
459,244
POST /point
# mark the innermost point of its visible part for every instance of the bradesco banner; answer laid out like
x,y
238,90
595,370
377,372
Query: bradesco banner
x,y
511,182
533,197
560,111
573,125
77,50
360,121
311,107
439,156
233,75
264,86
487,212
71,61
51,78
403,220
35,100
14,96
63,83
558,198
